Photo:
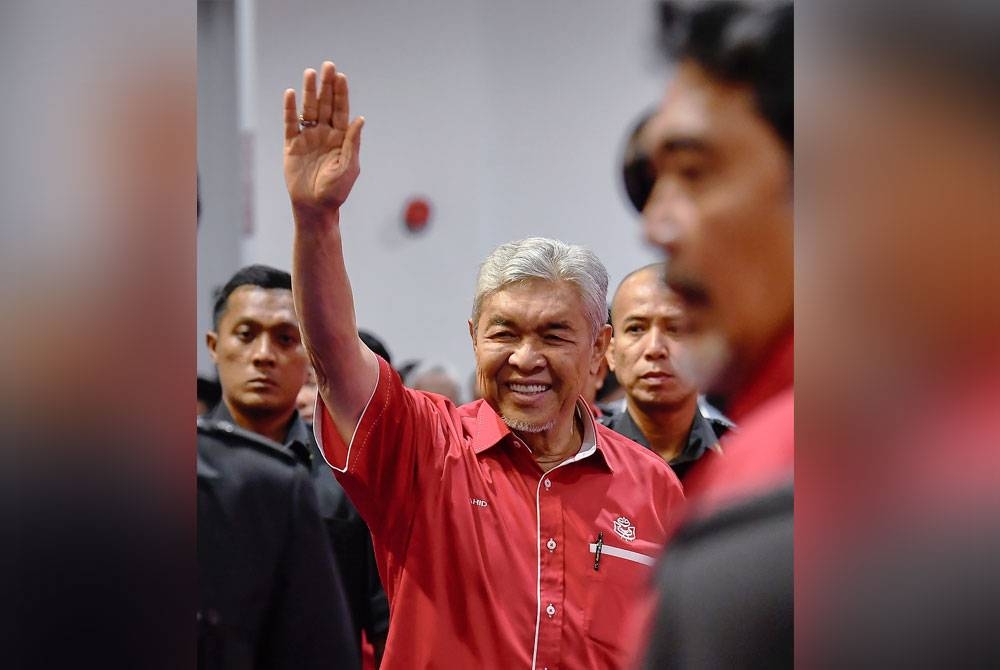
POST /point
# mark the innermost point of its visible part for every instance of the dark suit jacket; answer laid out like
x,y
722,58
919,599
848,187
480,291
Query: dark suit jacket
x,y
348,533
703,436
269,588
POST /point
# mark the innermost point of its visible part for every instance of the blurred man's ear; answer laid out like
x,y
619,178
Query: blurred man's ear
x,y
472,334
212,339
609,355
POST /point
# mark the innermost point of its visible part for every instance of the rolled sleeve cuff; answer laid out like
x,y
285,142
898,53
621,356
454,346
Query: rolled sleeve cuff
x,y
338,454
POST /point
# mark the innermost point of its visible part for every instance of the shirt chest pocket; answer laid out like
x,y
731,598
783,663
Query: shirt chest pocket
x,y
618,591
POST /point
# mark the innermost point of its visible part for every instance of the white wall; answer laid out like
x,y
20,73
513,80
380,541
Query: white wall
x,y
508,116
219,230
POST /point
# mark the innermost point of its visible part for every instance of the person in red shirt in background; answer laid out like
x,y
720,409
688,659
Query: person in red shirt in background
x,y
513,531
717,157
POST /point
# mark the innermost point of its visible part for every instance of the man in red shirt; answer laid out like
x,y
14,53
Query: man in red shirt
x,y
510,532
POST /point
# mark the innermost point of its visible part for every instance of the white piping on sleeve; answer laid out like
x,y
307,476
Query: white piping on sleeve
x,y
318,427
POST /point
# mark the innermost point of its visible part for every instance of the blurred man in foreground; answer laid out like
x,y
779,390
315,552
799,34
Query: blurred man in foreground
x,y
718,155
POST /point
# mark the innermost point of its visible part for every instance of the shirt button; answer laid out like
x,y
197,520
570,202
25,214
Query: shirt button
x,y
551,544
548,483
550,610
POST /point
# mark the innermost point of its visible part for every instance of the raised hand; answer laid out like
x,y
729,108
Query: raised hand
x,y
321,153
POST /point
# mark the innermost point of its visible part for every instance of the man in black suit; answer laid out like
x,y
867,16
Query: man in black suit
x,y
269,590
262,365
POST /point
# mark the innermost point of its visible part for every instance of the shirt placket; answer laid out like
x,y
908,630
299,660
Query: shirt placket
x,y
552,580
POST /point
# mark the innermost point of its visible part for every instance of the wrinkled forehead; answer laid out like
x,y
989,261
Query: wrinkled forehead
x,y
534,300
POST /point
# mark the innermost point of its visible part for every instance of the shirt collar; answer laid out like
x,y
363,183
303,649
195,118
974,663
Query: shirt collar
x,y
701,435
219,413
490,428
591,445
297,429
701,438
491,431
625,425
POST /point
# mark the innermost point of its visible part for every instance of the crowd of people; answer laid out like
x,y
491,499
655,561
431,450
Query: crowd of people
x,y
352,515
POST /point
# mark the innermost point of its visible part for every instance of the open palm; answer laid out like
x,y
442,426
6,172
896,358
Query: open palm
x,y
321,160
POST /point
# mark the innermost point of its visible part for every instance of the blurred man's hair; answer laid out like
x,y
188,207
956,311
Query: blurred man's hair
x,y
741,42
263,276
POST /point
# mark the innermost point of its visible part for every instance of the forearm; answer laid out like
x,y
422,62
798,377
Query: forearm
x,y
346,370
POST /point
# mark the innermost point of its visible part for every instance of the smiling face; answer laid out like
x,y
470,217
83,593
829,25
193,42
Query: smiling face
x,y
535,352
721,208
258,351
645,315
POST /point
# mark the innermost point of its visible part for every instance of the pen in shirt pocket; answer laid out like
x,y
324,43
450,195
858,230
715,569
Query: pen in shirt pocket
x,y
597,550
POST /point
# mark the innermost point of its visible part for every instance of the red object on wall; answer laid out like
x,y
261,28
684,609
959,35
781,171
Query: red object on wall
x,y
416,214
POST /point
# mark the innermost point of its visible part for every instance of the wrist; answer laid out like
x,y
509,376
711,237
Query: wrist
x,y
315,218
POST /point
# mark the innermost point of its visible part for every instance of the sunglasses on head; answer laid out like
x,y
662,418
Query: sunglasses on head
x,y
637,170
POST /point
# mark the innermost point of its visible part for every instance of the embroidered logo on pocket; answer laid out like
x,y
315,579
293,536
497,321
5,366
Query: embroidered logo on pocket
x,y
625,529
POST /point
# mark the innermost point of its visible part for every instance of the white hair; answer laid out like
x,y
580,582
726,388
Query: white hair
x,y
551,260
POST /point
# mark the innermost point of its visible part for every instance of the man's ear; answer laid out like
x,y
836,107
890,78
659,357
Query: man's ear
x,y
212,339
609,355
600,347
472,334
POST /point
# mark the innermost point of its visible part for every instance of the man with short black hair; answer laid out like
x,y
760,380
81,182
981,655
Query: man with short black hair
x,y
257,349
262,365
269,588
